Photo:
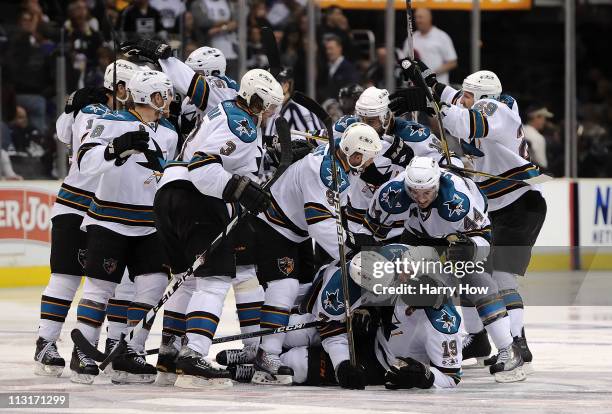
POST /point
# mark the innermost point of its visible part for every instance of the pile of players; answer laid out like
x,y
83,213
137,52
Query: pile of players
x,y
162,161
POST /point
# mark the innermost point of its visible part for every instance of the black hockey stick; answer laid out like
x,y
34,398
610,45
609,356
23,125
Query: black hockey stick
x,y
318,110
91,351
414,115
284,139
270,46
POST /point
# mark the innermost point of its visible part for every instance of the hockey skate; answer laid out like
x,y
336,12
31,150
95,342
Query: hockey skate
x,y
242,372
476,346
269,370
521,342
49,362
166,361
132,369
108,347
509,365
84,369
231,357
195,371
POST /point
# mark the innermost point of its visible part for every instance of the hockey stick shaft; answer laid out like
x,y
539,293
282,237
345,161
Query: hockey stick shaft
x,y
315,108
308,135
414,115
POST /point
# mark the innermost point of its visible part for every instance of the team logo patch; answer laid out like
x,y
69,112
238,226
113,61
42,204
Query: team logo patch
x,y
455,206
417,129
244,128
286,265
109,265
82,257
390,199
447,320
332,300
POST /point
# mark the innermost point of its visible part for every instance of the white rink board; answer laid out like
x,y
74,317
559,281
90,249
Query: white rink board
x,y
571,347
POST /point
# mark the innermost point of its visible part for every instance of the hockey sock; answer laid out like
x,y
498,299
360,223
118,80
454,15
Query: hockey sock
x,y
508,290
92,307
495,319
249,298
175,320
55,304
204,310
280,297
471,318
117,308
148,289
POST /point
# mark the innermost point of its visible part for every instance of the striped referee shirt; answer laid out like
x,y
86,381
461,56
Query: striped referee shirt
x,y
298,117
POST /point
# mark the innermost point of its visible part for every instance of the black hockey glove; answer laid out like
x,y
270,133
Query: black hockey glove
x,y
365,322
80,98
353,378
408,373
356,241
121,148
400,153
409,99
300,148
151,50
409,70
248,193
461,248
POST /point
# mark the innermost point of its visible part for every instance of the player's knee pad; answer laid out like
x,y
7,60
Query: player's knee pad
x,y
214,285
149,288
302,337
62,286
481,280
243,274
505,280
98,290
246,285
297,359
125,289
282,293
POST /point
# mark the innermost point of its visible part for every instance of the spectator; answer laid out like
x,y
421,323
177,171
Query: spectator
x,y
536,121
95,77
433,46
338,71
217,28
141,20
6,167
375,74
30,70
335,23
256,55
170,11
83,37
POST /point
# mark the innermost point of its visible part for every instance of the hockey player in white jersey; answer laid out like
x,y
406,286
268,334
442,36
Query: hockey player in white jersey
x,y
448,210
489,125
301,207
68,242
126,150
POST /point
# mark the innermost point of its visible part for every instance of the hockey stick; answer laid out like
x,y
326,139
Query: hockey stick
x,y
284,139
308,135
414,115
271,48
94,353
318,110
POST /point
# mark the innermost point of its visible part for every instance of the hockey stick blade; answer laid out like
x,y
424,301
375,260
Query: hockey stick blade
x,y
85,347
313,107
540,179
270,46
284,140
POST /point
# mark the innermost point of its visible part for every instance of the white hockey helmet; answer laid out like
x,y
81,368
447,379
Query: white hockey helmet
x,y
261,83
483,84
207,61
125,71
422,173
374,102
144,84
362,138
364,270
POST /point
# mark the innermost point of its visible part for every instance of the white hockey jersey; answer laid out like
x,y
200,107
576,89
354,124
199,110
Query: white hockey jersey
x,y
77,190
492,135
303,203
460,207
226,142
123,200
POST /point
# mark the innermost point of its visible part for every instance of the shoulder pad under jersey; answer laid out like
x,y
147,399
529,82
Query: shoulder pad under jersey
x,y
240,122
411,131
452,204
393,198
165,123
325,172
508,100
343,123
120,116
96,109
445,320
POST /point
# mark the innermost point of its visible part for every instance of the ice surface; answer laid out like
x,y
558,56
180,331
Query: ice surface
x,y
572,357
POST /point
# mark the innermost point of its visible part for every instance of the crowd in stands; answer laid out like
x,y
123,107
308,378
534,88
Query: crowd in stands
x,y
35,34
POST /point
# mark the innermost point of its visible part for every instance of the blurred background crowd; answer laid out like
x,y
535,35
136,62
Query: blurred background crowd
x,y
525,48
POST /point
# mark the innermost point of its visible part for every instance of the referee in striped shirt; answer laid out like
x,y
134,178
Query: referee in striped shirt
x,y
298,117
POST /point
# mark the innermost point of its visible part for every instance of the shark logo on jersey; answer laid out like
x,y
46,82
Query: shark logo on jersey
x,y
418,129
244,128
342,181
391,198
455,205
447,320
155,161
331,300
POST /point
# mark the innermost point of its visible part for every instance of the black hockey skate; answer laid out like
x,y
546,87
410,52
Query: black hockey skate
x,y
509,365
84,369
270,370
476,346
231,357
132,369
195,371
242,372
108,347
521,342
166,361
49,362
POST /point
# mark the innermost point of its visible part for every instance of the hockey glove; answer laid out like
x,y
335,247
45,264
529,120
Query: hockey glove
x,y
300,148
80,98
409,70
248,193
356,241
408,373
353,378
400,153
148,49
121,148
408,99
461,248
